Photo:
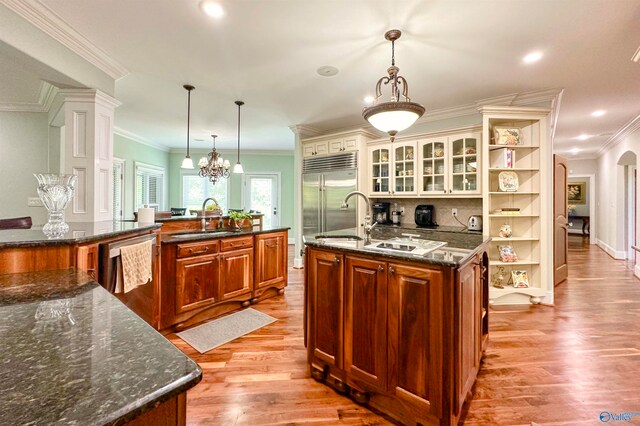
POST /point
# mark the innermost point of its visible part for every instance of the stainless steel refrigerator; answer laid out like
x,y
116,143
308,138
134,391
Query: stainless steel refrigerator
x,y
325,183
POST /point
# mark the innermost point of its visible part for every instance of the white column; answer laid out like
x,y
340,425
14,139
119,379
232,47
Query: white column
x,y
86,116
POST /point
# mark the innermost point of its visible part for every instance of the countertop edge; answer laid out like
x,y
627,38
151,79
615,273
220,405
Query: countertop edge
x,y
168,239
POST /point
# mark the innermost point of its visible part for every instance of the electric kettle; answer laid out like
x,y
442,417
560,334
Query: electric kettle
x,y
474,223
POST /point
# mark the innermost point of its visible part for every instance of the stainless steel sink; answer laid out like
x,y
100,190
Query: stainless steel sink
x,y
410,246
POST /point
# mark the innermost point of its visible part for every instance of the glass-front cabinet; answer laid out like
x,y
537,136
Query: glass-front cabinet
x,y
449,165
392,169
434,166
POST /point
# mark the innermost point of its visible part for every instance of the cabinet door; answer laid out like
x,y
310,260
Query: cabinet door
x,y
197,280
236,273
404,169
415,336
379,165
325,287
335,146
271,261
433,166
464,164
308,149
87,260
322,148
365,335
469,329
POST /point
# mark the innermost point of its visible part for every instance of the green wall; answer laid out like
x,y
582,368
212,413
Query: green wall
x,y
131,151
252,162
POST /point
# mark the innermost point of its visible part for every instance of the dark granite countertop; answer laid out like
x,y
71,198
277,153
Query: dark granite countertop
x,y
74,354
190,236
79,232
460,245
198,217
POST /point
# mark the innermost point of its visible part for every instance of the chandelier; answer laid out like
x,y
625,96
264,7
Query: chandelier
x,y
213,165
399,113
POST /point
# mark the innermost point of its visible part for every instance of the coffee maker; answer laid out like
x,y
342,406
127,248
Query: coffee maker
x,y
381,213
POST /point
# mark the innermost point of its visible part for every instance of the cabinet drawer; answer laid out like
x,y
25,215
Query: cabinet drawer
x,y
236,243
196,249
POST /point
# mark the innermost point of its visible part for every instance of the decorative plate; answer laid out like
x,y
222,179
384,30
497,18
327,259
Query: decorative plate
x,y
519,279
508,181
507,135
507,254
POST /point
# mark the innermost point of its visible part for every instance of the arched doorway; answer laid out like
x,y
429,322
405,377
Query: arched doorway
x,y
626,214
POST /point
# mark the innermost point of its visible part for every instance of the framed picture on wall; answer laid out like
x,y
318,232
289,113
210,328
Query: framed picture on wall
x,y
577,193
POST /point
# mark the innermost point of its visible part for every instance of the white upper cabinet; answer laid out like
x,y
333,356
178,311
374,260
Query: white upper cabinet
x,y
392,169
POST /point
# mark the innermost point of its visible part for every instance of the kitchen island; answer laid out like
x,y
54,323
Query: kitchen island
x,y
400,332
73,354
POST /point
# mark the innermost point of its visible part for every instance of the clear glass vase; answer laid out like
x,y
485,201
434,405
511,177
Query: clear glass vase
x,y
55,191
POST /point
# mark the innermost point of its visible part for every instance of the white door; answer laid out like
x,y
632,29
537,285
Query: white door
x,y
262,194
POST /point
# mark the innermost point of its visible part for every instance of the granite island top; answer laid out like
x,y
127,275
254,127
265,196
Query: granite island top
x,y
79,232
190,236
199,217
460,246
74,354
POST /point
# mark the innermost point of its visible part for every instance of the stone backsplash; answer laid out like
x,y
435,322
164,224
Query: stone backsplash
x,y
466,207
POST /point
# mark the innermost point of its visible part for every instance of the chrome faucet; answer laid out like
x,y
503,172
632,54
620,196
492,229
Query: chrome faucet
x,y
203,222
367,218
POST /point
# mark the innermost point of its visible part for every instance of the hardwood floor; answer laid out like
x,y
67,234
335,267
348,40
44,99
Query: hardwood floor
x,y
547,365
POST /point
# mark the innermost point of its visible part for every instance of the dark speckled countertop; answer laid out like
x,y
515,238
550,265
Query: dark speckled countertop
x,y
460,246
191,236
74,354
79,232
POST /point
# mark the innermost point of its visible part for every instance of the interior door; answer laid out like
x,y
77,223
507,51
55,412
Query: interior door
x,y
262,192
560,230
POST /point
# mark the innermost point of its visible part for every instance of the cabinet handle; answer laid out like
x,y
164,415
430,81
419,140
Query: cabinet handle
x,y
336,260
380,268
445,191
206,249
449,191
391,271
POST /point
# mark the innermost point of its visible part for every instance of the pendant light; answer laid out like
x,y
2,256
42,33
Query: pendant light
x,y
187,162
214,166
238,167
399,113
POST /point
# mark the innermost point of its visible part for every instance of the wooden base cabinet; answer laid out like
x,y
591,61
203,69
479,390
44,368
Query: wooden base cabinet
x,y
406,339
236,273
271,262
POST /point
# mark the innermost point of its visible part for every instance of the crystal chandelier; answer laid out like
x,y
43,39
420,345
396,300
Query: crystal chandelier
x,y
399,113
214,166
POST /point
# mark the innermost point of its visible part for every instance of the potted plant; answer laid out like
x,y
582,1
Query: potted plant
x,y
240,220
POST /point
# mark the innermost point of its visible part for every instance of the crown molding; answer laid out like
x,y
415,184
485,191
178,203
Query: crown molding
x,y
630,127
230,152
46,95
555,113
138,139
47,21
346,133
304,131
89,95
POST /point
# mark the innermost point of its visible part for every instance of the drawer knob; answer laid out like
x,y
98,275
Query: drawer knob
x,y
206,249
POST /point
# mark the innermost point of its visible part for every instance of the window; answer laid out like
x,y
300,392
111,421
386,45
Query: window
x,y
195,189
118,189
149,186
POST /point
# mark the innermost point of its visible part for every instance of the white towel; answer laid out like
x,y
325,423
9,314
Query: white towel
x,y
136,266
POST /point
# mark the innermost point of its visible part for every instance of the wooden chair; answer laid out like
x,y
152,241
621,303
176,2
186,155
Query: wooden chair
x,y
16,223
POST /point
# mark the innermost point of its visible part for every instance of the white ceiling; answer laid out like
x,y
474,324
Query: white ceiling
x,y
266,53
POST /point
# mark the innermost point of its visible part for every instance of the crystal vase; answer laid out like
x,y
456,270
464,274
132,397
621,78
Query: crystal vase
x,y
55,191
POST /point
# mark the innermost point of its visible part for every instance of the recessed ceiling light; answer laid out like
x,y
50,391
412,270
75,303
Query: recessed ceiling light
x,y
574,151
369,100
212,8
532,57
583,137
327,71
598,113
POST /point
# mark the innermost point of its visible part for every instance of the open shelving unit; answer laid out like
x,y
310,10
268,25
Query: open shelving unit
x,y
531,237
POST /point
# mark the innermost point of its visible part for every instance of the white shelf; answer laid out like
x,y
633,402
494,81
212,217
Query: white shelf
x,y
513,193
495,292
513,169
514,239
518,263
494,147
512,215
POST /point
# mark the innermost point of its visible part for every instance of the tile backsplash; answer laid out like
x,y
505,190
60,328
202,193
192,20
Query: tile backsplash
x,y
466,207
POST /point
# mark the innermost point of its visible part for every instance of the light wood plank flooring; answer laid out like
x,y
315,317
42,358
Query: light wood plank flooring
x,y
548,365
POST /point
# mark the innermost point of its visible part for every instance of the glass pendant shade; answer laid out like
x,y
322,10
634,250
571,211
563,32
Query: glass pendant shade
x,y
399,113
187,163
238,168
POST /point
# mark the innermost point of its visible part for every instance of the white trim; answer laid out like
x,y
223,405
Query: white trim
x,y
629,127
291,241
40,16
636,56
356,132
46,94
123,185
137,165
636,271
138,139
230,153
618,255
304,131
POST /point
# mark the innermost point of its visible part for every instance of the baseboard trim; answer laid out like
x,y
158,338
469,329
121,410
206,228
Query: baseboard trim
x,y
292,241
636,271
298,263
618,255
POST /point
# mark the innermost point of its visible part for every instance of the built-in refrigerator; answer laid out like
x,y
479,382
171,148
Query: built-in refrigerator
x,y
325,182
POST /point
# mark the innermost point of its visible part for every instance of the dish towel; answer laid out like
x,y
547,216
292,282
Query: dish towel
x,y
136,266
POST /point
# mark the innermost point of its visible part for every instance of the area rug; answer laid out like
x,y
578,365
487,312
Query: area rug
x,y
207,336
